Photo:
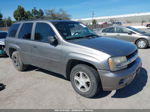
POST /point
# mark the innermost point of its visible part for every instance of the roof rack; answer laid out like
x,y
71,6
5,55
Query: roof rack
x,y
41,18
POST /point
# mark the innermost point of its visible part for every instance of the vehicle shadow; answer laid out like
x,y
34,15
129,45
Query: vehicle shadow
x,y
2,86
4,56
33,68
51,73
135,87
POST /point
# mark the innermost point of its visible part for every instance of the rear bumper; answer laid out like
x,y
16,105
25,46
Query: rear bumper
x,y
116,80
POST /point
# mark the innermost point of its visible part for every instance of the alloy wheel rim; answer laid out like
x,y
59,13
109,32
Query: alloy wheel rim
x,y
82,81
15,60
141,44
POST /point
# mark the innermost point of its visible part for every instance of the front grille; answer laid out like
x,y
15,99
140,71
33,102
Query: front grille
x,y
129,57
132,54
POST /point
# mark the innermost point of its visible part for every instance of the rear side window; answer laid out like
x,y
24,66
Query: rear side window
x,y
42,32
13,30
25,32
109,30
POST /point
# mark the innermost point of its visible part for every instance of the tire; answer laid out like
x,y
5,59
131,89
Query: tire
x,y
17,61
90,85
142,43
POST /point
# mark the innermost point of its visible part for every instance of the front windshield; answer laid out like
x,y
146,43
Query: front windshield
x,y
3,35
73,30
136,30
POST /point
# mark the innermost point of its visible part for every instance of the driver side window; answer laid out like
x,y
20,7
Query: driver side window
x,y
122,30
42,32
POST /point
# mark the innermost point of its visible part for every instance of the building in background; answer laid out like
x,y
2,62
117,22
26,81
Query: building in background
x,y
136,19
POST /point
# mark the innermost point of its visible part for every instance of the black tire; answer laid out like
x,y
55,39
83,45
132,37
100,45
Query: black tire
x,y
145,44
94,85
17,61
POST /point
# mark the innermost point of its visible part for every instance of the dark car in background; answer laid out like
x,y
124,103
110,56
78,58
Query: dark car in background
x,y
148,25
2,43
136,36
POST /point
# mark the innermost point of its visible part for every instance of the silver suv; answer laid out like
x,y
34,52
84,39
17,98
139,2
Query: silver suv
x,y
91,63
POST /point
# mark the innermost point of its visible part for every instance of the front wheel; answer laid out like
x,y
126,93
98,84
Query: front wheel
x,y
85,80
142,43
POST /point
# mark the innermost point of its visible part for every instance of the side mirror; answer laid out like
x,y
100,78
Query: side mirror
x,y
52,40
130,33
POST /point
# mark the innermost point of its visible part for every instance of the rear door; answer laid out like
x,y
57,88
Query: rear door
x,y
24,42
45,55
109,32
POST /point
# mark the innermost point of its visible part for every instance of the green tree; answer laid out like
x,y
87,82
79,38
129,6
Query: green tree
x,y
41,13
63,15
6,22
20,13
29,15
94,22
1,16
9,21
36,14
57,15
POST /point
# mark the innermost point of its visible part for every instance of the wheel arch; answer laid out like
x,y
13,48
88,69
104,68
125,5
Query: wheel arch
x,y
11,49
141,39
73,62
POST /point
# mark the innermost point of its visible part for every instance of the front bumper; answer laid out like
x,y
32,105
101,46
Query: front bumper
x,y
116,80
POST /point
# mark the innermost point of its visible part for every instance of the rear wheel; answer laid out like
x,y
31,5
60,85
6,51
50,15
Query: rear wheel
x,y
85,80
17,61
142,43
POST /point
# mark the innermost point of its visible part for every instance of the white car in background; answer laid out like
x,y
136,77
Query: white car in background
x,y
2,42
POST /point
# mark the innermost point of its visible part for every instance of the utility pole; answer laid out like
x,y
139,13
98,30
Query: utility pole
x,y
93,14
5,22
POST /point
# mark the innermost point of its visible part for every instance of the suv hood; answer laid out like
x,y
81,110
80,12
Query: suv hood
x,y
107,45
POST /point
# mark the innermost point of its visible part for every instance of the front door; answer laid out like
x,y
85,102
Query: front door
x,y
45,55
124,34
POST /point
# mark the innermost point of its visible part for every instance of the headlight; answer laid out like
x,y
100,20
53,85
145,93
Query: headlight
x,y
117,63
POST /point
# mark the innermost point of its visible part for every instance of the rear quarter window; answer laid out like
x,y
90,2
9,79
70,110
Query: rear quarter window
x,y
13,30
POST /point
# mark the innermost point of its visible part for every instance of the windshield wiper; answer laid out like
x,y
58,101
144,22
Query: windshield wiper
x,y
92,35
81,37
73,38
